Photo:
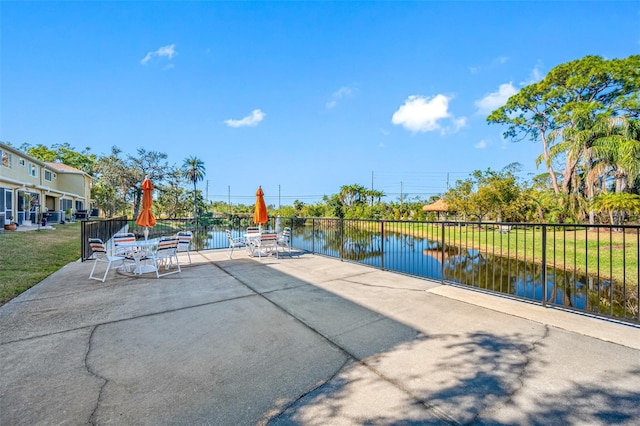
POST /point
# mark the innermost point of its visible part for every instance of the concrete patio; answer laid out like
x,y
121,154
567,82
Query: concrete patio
x,y
303,340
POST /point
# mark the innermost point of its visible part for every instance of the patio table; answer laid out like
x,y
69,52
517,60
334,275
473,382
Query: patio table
x,y
139,251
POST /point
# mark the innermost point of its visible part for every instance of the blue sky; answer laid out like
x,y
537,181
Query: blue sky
x,y
299,97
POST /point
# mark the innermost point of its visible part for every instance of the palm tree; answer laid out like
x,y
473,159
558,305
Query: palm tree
x,y
616,204
619,148
194,171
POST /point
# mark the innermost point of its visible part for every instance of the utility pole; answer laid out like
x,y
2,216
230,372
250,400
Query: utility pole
x,y
371,188
206,197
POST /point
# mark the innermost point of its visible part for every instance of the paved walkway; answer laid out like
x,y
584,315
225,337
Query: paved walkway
x,y
305,340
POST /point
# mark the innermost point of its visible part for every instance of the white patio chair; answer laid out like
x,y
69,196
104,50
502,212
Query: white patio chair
x,y
266,244
233,243
284,240
118,239
184,243
252,233
164,255
100,255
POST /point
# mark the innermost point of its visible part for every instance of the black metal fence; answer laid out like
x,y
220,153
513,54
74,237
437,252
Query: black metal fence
x,y
590,268
593,269
105,229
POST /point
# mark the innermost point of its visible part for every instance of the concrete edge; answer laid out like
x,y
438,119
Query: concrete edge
x,y
624,334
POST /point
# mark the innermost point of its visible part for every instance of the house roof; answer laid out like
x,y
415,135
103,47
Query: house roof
x,y
61,167
439,206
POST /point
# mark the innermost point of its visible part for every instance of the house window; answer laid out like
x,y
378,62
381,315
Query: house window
x,y
66,204
47,175
22,162
6,159
33,170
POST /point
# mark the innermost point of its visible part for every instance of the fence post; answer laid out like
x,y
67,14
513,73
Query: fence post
x,y
382,245
341,237
83,242
313,236
544,265
442,245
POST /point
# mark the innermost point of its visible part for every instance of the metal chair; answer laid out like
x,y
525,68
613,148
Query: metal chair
x,y
267,241
284,240
128,237
233,243
184,242
164,255
100,255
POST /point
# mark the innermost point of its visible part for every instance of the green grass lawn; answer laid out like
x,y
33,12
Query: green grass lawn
x,y
26,258
602,253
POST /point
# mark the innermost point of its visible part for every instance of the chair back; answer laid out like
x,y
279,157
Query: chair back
x,y
268,236
98,248
167,246
253,230
124,238
184,240
286,234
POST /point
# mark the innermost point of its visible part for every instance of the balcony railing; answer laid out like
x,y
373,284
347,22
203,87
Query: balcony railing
x,y
594,269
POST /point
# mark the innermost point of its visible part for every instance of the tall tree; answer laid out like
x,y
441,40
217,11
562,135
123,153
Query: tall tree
x,y
114,180
194,171
569,99
63,153
151,164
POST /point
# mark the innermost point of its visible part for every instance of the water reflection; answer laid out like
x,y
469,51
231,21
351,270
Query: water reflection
x,y
424,258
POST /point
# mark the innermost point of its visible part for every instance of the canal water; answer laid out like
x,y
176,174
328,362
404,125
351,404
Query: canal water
x,y
427,259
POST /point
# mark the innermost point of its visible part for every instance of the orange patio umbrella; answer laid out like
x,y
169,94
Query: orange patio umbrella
x,y
260,215
145,218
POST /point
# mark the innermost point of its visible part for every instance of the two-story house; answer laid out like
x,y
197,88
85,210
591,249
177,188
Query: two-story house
x,y
30,187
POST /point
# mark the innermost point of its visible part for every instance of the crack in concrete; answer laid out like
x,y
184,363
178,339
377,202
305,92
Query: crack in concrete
x,y
275,416
94,373
521,377
384,286
346,277
350,356
528,360
150,314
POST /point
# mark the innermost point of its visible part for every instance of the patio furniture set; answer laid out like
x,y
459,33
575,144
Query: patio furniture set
x,y
159,255
260,243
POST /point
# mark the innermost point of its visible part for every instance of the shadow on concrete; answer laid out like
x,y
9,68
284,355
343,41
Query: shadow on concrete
x,y
236,342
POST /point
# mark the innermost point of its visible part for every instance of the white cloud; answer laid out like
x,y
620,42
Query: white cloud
x,y
422,114
496,99
168,51
534,77
249,121
481,145
459,123
338,95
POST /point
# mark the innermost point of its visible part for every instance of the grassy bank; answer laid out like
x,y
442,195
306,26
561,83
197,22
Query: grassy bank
x,y
597,252
26,258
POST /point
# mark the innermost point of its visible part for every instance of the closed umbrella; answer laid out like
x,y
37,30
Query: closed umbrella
x,y
145,218
260,215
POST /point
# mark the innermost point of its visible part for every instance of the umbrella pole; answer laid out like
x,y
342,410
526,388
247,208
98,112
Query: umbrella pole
x,y
146,233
